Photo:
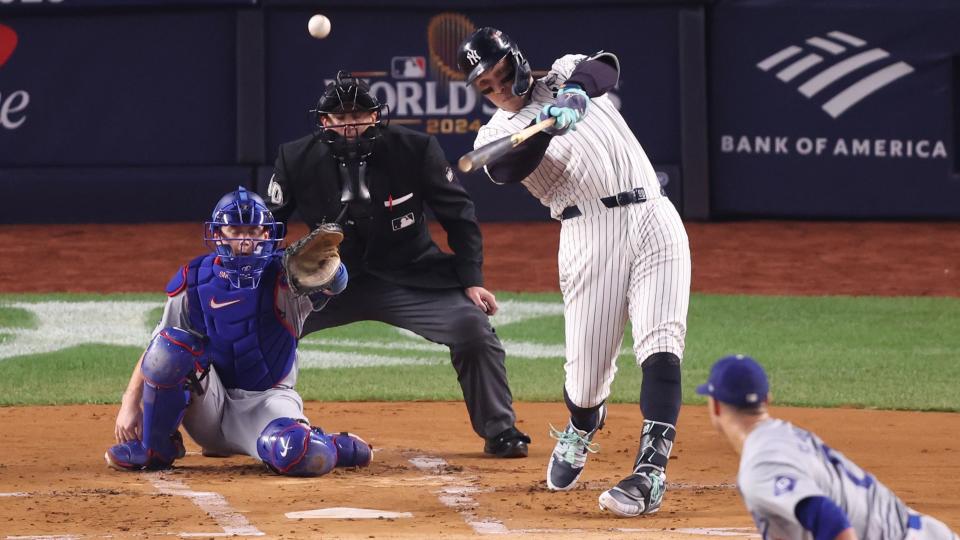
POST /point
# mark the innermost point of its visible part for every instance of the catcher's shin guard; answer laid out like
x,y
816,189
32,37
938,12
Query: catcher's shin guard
x,y
642,491
172,357
290,447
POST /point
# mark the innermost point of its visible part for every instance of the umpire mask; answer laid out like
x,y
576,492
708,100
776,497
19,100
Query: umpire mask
x,y
348,117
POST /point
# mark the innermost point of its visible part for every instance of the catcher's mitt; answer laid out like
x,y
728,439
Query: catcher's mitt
x,y
312,262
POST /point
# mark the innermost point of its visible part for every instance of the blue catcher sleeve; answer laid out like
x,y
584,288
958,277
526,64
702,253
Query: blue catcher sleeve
x,y
822,517
337,285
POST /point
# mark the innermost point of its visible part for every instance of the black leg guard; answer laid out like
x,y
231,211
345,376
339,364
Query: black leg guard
x,y
660,391
642,491
585,419
656,443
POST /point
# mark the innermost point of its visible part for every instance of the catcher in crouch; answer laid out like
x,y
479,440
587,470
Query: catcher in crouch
x,y
223,359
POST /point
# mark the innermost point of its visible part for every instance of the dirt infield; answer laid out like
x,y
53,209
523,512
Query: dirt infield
x,y
761,257
65,489
53,483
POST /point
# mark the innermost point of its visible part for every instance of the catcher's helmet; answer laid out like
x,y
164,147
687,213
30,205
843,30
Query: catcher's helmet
x,y
348,94
484,49
243,208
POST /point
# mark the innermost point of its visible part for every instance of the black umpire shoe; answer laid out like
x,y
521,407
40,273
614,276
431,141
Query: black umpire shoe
x,y
510,443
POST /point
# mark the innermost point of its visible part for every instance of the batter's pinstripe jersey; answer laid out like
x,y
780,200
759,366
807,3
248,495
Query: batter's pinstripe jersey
x,y
603,156
626,261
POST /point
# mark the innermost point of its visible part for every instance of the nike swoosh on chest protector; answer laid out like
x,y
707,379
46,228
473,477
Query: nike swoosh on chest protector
x,y
217,305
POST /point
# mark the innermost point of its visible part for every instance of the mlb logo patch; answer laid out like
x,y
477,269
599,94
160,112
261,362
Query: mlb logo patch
x,y
408,67
403,222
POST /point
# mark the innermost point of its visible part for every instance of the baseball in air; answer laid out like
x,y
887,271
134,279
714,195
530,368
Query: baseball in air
x,y
319,26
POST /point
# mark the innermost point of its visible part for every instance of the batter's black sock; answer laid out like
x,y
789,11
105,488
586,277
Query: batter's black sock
x,y
583,419
660,391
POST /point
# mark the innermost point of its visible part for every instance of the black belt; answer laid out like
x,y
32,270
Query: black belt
x,y
635,195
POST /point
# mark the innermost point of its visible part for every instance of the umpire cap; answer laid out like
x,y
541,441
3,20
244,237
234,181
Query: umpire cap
x,y
487,46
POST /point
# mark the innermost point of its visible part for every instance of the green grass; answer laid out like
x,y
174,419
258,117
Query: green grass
x,y
892,353
82,374
13,317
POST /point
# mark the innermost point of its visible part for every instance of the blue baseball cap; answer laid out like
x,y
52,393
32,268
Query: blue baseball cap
x,y
738,380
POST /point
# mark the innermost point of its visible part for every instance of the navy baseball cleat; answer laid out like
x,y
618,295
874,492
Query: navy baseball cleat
x,y
510,443
133,456
638,494
570,454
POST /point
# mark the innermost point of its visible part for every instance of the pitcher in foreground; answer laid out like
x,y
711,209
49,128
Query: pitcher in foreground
x,y
793,484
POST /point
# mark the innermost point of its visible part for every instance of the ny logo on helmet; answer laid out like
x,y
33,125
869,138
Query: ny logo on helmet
x,y
473,57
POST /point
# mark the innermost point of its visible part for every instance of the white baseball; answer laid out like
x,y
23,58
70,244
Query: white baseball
x,y
319,26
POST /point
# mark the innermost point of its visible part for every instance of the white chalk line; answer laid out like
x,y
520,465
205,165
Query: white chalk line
x,y
341,512
62,324
456,493
232,522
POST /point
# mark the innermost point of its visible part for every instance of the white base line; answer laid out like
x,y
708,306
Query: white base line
x,y
456,494
232,522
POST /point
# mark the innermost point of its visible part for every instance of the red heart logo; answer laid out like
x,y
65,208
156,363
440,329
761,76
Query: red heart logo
x,y
8,42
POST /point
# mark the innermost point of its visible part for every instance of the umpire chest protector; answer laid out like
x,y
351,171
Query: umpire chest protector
x,y
250,343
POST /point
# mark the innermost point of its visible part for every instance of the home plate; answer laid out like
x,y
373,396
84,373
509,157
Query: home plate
x,y
347,513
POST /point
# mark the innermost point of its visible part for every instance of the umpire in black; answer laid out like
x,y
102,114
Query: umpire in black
x,y
375,180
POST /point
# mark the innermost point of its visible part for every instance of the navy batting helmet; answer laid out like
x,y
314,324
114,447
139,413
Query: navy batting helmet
x,y
484,49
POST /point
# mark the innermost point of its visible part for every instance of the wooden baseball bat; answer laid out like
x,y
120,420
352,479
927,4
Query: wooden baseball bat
x,y
495,150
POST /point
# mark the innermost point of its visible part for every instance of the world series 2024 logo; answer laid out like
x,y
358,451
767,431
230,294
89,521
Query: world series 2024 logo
x,y
428,91
12,105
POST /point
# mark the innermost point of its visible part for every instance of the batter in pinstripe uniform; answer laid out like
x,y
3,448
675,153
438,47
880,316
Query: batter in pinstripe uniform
x,y
623,250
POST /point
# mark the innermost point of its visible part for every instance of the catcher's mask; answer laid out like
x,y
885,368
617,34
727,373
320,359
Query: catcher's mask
x,y
347,94
243,265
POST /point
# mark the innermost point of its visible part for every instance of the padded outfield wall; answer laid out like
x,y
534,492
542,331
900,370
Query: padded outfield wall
x,y
147,110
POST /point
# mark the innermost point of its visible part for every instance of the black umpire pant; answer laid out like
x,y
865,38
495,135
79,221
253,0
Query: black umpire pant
x,y
444,316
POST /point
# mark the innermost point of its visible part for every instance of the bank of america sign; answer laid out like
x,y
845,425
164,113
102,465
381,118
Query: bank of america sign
x,y
822,61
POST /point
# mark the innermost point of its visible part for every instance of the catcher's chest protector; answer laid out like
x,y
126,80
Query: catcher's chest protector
x,y
252,347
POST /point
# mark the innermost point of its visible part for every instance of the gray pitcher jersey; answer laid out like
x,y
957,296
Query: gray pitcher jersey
x,y
604,159
294,309
782,464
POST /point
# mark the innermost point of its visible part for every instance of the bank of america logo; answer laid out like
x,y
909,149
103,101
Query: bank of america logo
x,y
845,54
